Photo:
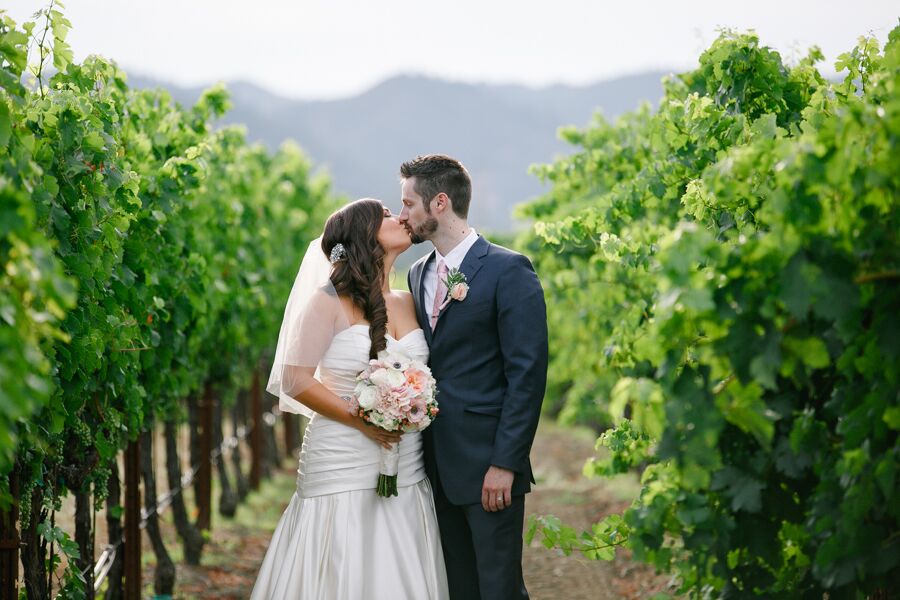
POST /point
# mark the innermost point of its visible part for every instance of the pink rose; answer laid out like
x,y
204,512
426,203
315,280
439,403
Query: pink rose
x,y
459,292
416,379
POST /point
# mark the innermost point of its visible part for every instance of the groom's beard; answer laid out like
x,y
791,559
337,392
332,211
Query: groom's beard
x,y
424,231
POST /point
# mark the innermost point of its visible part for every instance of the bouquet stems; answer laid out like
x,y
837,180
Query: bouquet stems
x,y
387,485
387,471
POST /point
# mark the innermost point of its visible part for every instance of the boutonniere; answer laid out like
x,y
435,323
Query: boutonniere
x,y
457,288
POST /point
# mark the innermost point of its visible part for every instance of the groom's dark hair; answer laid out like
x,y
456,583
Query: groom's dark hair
x,y
436,173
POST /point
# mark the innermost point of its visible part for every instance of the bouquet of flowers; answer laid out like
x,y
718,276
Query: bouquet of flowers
x,y
398,394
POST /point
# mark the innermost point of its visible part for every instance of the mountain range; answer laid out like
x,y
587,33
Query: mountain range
x,y
497,131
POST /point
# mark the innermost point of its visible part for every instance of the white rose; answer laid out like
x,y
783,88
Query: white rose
x,y
366,397
396,378
418,364
380,378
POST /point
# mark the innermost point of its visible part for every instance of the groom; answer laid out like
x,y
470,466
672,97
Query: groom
x,y
487,331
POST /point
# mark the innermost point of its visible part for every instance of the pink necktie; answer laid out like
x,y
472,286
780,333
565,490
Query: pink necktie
x,y
439,293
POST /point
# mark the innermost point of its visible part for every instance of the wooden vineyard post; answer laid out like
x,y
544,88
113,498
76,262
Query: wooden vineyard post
x,y
291,431
9,542
204,475
256,432
132,546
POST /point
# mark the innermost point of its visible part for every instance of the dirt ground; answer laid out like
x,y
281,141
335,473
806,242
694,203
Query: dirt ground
x,y
558,457
236,546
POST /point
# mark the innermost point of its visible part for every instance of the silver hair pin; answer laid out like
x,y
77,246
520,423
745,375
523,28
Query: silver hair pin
x,y
337,253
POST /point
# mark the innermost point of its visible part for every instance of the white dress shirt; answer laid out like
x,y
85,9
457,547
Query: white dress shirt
x,y
453,260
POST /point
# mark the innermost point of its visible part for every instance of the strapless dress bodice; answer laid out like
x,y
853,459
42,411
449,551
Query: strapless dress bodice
x,y
348,355
337,458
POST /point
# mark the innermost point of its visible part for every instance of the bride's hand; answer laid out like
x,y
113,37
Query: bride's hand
x,y
382,436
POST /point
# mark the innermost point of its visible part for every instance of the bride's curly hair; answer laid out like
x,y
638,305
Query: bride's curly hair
x,y
360,273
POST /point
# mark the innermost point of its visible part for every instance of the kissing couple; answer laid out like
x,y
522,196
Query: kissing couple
x,y
475,315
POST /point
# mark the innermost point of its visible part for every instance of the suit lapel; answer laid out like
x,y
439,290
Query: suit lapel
x,y
419,291
470,266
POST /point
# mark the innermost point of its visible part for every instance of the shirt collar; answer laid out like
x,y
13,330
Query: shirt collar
x,y
455,257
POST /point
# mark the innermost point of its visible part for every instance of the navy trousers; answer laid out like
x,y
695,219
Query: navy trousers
x,y
482,550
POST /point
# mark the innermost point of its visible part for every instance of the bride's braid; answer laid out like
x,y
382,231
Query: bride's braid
x,y
360,273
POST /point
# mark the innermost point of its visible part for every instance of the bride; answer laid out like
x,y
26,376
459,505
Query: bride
x,y
337,539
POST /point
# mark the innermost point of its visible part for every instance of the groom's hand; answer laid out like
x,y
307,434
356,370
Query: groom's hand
x,y
496,493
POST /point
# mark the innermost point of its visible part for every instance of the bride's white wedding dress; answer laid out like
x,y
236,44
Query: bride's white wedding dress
x,y
337,539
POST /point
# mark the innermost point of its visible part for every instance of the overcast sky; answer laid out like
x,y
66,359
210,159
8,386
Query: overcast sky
x,y
332,48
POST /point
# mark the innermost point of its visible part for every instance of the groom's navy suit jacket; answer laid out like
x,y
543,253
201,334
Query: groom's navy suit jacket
x,y
489,357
